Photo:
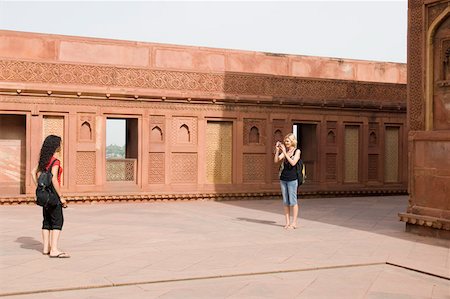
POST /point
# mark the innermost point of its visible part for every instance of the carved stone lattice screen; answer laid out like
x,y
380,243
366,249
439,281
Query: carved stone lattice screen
x,y
121,170
330,166
184,168
351,154
391,155
219,147
85,168
54,125
156,168
254,168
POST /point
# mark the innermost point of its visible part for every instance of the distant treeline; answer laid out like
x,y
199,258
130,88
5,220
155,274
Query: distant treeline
x,y
115,151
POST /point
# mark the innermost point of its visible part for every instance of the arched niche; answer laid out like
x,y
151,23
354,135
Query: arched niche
x,y
253,135
430,67
372,139
156,134
331,137
184,134
85,131
278,135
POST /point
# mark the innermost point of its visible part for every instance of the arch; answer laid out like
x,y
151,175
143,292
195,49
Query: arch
x,y
184,134
429,89
372,138
278,135
156,134
85,131
253,135
331,137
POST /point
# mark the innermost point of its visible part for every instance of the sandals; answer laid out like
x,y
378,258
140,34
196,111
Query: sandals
x,y
61,255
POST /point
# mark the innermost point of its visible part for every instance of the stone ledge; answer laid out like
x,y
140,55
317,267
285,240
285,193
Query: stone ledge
x,y
141,197
427,221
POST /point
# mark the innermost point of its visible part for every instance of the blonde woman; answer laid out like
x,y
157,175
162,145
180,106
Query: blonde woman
x,y
289,155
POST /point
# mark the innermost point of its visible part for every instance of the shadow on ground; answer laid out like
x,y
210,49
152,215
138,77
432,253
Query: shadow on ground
x,y
29,243
377,214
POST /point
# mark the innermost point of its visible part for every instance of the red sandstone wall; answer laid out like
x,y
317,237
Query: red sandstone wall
x,y
68,49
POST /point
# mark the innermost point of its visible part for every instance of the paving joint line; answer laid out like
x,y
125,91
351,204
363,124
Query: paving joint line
x,y
112,284
418,271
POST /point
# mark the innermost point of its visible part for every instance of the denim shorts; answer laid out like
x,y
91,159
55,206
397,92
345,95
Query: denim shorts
x,y
289,192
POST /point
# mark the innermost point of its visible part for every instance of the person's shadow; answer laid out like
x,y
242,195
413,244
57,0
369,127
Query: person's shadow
x,y
29,243
259,221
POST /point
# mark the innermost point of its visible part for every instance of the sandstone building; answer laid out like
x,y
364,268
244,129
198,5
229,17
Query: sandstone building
x,y
200,122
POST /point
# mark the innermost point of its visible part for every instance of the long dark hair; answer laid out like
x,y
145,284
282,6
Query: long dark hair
x,y
49,147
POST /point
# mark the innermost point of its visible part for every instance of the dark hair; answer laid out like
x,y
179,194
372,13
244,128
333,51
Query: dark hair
x,y
49,147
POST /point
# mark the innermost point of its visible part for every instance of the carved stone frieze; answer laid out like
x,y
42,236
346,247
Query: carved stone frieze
x,y
185,82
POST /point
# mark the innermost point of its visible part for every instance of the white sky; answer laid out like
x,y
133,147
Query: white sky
x,y
368,30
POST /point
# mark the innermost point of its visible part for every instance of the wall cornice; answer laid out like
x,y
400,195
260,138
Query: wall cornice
x,y
81,77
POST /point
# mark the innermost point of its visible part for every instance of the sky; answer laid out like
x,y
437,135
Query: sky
x,y
366,30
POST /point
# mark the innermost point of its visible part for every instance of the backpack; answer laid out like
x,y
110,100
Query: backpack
x,y
301,172
46,195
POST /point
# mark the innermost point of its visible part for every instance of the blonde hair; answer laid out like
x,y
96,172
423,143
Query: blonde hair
x,y
292,138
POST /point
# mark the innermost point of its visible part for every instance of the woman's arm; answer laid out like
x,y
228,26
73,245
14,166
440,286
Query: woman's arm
x,y
295,159
55,170
278,156
34,175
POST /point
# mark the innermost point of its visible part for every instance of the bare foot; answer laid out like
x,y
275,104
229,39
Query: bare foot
x,y
287,226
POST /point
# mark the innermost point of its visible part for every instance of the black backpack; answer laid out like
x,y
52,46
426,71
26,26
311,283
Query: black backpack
x,y
301,172
46,195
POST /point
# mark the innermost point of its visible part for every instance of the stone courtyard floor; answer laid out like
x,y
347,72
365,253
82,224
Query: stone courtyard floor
x,y
343,248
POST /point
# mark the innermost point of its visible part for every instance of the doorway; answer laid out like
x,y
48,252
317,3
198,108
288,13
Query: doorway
x,y
306,134
121,149
13,154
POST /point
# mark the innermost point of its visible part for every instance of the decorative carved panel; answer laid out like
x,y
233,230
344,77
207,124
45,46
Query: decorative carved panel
x,y
85,168
441,89
330,167
54,125
157,128
86,127
121,170
416,68
373,167
391,158
331,137
184,168
351,158
184,130
434,11
219,152
254,168
373,134
156,168
254,131
230,83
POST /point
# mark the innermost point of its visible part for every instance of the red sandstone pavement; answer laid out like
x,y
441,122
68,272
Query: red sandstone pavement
x,y
343,248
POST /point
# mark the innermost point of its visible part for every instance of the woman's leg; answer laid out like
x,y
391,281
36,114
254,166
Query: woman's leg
x,y
54,236
295,215
285,195
286,216
45,241
292,187
58,221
